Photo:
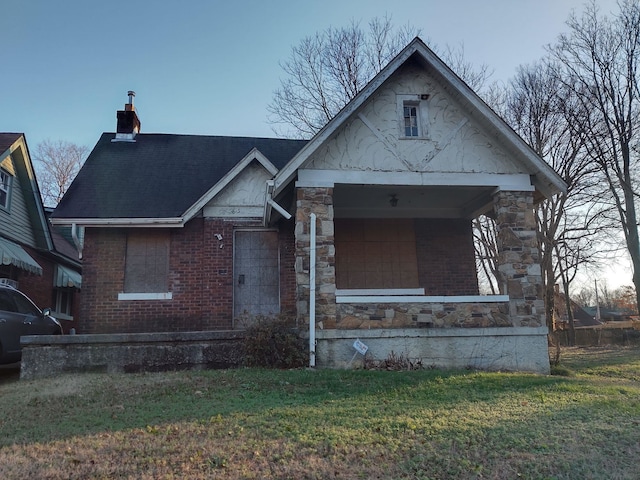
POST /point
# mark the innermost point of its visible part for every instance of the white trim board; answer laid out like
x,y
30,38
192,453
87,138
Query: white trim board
x,y
328,178
145,296
378,291
422,299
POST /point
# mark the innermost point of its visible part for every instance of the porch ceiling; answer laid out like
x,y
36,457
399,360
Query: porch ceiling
x,y
375,201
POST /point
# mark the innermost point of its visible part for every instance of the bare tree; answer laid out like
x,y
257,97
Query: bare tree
x,y
326,70
57,163
585,297
599,60
569,226
486,253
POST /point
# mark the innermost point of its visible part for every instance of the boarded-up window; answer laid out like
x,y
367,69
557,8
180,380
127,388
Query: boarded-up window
x,y
375,253
147,264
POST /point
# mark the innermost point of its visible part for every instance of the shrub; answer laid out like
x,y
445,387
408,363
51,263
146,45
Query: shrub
x,y
274,343
393,362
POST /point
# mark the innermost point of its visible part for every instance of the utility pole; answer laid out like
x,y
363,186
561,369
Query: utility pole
x,y
597,302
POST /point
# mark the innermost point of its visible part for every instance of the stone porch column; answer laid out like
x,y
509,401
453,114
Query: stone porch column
x,y
318,200
519,257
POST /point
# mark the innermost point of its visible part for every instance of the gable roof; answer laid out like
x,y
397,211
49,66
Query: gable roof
x,y
15,146
160,177
544,178
7,140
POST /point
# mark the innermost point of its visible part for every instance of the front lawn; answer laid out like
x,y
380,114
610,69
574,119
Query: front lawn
x,y
298,424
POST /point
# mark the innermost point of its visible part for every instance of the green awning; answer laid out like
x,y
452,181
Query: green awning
x,y
65,278
13,254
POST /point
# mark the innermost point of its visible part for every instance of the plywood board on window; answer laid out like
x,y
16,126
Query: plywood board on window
x,y
375,253
147,262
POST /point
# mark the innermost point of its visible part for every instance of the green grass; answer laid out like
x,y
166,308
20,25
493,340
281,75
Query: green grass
x,y
299,424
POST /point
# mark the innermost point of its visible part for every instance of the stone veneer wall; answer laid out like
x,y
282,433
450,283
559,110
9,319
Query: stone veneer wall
x,y
320,202
518,257
421,315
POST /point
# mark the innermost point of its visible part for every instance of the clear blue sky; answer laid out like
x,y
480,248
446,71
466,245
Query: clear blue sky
x,y
210,67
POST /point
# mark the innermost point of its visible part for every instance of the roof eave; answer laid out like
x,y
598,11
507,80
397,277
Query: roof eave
x,y
121,222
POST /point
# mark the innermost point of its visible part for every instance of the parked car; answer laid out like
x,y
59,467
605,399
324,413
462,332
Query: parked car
x,y
19,316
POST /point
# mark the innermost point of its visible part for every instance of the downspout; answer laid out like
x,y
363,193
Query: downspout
x,y
76,239
312,292
278,208
270,202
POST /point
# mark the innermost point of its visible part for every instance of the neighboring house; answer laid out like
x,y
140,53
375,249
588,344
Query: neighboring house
x,y
581,316
196,233
610,315
33,255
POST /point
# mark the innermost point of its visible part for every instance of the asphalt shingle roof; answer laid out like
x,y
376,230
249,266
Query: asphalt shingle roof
x,y
8,139
159,175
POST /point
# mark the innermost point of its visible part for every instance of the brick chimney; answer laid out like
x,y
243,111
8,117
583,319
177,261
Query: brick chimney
x,y
128,122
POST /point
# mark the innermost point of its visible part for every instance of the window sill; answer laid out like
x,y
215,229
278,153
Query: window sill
x,y
145,296
419,137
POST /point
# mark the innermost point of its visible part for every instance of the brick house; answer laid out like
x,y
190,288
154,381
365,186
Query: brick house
x,y
35,257
363,232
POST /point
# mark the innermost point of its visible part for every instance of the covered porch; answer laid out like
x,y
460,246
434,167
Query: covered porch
x,y
397,261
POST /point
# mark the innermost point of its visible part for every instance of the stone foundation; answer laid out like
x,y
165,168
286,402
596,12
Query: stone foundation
x,y
522,349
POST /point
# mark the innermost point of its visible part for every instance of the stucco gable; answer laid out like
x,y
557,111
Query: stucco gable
x,y
463,135
242,187
453,140
243,196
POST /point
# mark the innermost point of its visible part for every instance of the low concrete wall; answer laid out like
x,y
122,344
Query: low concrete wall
x,y
506,348
50,355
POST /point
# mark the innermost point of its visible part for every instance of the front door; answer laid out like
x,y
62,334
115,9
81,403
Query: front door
x,y
256,275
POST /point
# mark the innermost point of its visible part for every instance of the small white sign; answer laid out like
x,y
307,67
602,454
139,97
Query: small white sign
x,y
360,347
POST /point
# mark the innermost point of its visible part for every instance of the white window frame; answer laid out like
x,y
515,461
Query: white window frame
x,y
420,104
5,188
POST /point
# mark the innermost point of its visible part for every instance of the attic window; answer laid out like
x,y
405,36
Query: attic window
x,y
412,116
5,183
410,120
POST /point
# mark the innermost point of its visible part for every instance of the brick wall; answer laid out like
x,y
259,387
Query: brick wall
x,y
39,288
287,268
200,280
446,258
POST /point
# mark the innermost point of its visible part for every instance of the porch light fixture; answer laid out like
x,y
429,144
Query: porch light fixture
x,y
393,201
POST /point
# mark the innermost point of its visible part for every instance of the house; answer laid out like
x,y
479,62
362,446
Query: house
x,y
363,232
34,256
581,316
